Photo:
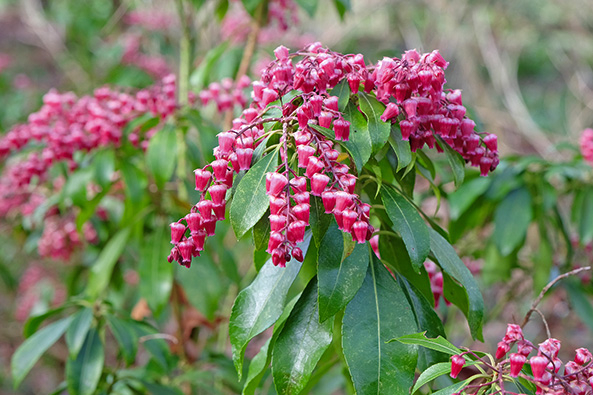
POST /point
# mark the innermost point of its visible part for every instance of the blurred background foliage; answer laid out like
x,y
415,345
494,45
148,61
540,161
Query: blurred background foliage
x,y
526,71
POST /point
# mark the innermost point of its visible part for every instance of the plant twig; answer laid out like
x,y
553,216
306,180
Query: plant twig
x,y
547,288
548,333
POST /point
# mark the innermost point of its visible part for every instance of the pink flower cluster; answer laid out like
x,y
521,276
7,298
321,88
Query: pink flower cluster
x,y
60,237
303,147
227,94
586,143
577,377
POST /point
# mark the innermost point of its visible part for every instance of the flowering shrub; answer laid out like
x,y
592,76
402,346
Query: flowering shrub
x,y
325,174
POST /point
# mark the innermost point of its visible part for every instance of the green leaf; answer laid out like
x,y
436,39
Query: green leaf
x,y
203,285
84,372
585,220
259,305
31,350
262,360
78,329
161,155
439,344
301,344
154,270
427,320
261,232
75,189
455,161
432,373
103,267
250,202
462,199
135,181
453,389
104,164
308,5
378,130
251,5
580,302
221,9
511,220
400,147
408,223
125,336
453,266
157,347
340,276
359,144
199,77
319,220
342,6
379,312
34,322
342,91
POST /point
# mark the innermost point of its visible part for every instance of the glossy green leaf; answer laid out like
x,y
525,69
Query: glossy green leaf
x,y
452,389
262,360
318,219
154,344
452,265
221,9
250,201
511,220
261,232
125,336
154,270
408,223
439,344
308,5
76,333
259,305
340,276
199,77
84,372
455,161
401,148
103,268
342,91
427,320
33,348
379,312
161,155
378,130
301,344
580,302
34,322
462,199
359,143
432,373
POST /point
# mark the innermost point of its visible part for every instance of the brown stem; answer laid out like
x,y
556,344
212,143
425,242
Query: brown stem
x,y
547,288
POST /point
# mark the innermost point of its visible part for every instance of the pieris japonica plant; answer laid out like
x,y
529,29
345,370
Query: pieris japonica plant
x,y
323,160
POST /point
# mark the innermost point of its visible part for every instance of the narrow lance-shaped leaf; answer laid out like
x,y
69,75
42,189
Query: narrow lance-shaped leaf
x,y
511,220
359,144
259,305
340,277
452,265
401,148
103,267
408,223
125,336
378,130
301,344
161,155
455,161
250,201
377,313
154,270
33,348
77,331
84,372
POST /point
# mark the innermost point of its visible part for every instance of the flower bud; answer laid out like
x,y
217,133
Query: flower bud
x,y
517,362
177,232
457,362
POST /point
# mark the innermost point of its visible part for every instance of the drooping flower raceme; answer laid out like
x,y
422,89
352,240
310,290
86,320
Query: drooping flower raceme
x,y
294,100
